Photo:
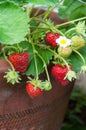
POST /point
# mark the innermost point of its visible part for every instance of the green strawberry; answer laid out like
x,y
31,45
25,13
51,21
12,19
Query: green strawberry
x,y
77,42
47,85
64,52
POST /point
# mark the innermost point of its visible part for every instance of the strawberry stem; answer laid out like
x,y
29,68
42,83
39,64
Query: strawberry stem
x,y
34,52
45,66
80,56
69,30
8,60
56,55
49,10
19,48
51,28
42,21
61,58
70,22
9,47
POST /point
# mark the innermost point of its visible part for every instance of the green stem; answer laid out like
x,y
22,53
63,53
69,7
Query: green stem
x,y
19,48
8,60
70,22
46,13
9,47
41,20
59,57
52,28
50,10
58,31
36,13
29,10
80,56
69,30
35,52
36,27
44,66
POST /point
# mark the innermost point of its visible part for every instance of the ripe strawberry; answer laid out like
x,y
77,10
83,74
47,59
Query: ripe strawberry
x,y
20,61
59,72
51,38
32,91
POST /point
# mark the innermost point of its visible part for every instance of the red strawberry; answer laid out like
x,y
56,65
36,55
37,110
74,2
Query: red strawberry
x,y
20,61
32,91
51,38
59,72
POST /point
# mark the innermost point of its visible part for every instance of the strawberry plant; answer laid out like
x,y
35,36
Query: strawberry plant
x,y
29,43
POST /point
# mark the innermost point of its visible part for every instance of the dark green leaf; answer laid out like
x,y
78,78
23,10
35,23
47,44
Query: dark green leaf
x,y
72,9
75,127
46,55
76,59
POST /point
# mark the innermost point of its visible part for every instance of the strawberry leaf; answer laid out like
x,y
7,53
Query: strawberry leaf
x,y
46,55
13,23
76,60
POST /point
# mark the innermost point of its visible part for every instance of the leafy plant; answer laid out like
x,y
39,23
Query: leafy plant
x,y
48,2
32,37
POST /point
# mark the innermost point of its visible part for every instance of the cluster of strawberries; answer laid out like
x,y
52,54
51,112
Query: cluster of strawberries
x,y
59,71
21,61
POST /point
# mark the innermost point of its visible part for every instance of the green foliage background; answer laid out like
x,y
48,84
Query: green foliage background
x,y
44,2
77,105
72,9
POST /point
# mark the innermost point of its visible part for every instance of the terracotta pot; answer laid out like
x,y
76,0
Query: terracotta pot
x,y
19,112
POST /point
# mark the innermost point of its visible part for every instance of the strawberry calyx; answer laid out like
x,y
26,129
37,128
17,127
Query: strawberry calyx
x,y
47,85
35,82
43,85
12,76
71,75
83,69
80,28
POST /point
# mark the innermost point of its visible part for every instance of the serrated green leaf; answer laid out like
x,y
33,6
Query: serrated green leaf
x,y
13,23
46,55
76,59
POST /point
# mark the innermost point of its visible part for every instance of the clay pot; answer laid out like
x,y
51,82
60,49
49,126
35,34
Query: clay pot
x,y
19,112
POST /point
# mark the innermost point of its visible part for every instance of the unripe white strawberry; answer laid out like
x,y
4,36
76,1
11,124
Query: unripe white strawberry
x,y
77,42
65,52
